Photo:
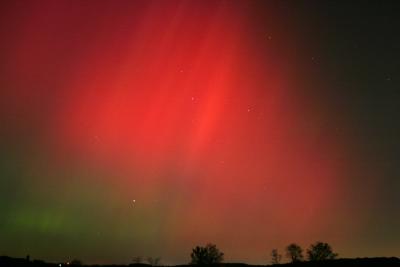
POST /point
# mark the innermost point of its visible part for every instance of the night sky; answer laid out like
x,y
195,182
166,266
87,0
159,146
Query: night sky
x,y
145,128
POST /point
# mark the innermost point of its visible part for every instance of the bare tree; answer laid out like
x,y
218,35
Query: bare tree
x,y
275,256
320,251
209,254
294,252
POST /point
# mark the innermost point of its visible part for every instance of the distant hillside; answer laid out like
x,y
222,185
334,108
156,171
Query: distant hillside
x,y
359,262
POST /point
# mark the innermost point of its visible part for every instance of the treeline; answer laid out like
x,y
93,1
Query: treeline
x,y
319,251
318,254
363,262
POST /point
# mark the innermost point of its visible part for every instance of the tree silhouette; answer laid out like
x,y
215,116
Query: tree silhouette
x,y
320,251
275,256
294,252
209,254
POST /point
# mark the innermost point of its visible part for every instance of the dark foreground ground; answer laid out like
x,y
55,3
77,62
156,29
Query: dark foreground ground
x,y
360,262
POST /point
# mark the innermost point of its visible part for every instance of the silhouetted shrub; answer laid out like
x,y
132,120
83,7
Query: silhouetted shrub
x,y
320,251
209,254
294,252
